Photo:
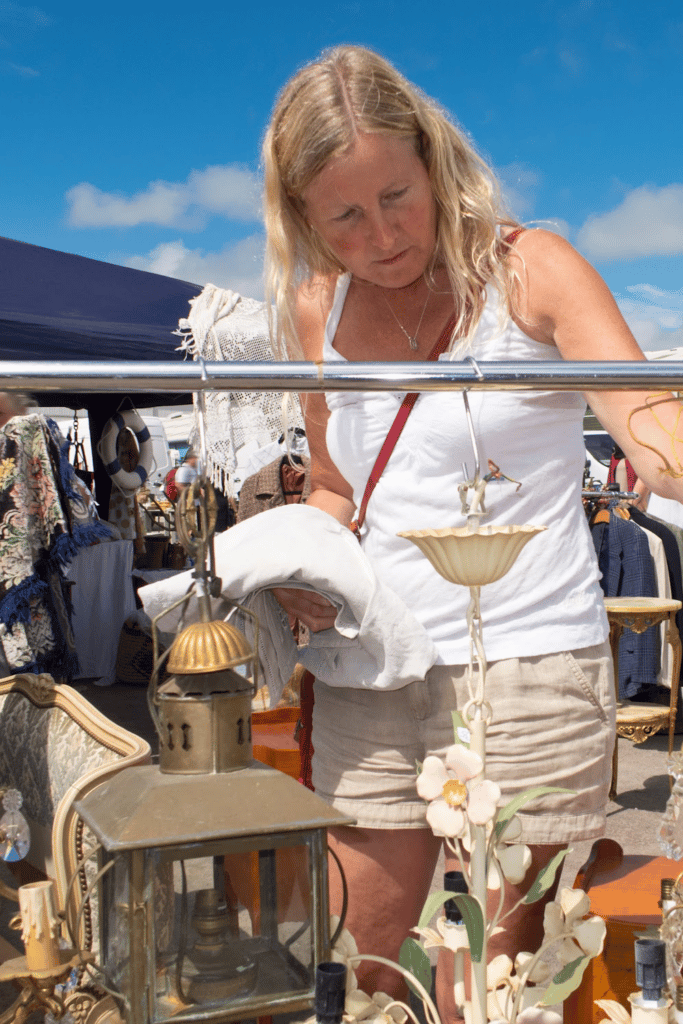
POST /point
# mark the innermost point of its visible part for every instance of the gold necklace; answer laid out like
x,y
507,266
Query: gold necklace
x,y
412,338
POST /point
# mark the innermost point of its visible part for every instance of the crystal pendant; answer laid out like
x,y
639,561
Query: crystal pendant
x,y
670,833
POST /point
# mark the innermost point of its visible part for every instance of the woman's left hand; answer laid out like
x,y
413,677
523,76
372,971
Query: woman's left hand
x,y
309,607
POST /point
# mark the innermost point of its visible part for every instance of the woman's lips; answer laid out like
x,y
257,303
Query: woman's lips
x,y
393,259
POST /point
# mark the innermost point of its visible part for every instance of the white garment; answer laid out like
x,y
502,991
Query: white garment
x,y
185,474
551,599
376,642
103,598
661,568
668,509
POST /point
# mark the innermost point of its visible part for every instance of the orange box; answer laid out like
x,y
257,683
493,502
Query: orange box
x,y
627,898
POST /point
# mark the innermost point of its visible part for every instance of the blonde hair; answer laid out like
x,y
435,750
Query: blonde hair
x,y
351,90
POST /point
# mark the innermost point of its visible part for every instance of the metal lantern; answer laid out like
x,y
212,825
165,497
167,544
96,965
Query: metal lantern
x,y
214,902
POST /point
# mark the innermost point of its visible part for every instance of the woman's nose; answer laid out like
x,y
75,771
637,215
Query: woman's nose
x,y
381,231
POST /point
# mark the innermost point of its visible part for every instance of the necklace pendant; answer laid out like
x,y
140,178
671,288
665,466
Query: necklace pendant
x,y
413,343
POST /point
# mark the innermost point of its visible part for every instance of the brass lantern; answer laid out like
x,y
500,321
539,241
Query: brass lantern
x,y
214,900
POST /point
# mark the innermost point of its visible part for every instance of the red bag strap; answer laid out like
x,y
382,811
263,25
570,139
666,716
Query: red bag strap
x,y
403,414
395,430
513,236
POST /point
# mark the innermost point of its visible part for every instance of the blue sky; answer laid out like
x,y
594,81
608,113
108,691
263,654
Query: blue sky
x,y
131,131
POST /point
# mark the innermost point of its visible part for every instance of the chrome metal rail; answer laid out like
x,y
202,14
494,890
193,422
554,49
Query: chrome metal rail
x,y
162,377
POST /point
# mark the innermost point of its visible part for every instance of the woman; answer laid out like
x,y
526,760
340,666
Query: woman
x,y
622,473
382,224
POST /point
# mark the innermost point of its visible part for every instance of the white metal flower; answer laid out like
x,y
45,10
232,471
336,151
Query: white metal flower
x,y
344,947
538,1015
379,1008
514,862
615,1012
566,918
503,986
448,935
358,1006
539,973
452,797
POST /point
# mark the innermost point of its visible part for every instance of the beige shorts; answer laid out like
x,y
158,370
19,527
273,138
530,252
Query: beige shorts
x,y
553,725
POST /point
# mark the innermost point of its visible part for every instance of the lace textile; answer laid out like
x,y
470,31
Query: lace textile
x,y
223,325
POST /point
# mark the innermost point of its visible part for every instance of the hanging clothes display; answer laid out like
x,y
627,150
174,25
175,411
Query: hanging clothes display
x,y
628,571
46,516
673,560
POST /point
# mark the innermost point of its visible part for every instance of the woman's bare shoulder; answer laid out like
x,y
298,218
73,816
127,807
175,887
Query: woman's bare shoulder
x,y
314,300
548,256
564,301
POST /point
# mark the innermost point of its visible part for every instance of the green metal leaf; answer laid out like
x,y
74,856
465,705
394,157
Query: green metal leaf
x,y
473,919
505,814
565,981
459,723
413,958
545,878
434,901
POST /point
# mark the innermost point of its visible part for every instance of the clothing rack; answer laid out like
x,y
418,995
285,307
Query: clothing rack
x,y
609,495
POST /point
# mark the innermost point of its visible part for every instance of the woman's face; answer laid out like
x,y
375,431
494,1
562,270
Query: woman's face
x,y
375,209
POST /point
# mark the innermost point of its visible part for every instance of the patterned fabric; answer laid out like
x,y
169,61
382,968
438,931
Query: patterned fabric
x,y
631,475
264,490
122,513
44,519
55,753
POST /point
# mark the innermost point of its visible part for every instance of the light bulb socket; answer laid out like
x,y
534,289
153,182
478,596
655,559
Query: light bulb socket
x,y
330,992
454,881
650,967
667,888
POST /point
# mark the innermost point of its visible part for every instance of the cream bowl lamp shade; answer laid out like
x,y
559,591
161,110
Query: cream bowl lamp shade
x,y
472,558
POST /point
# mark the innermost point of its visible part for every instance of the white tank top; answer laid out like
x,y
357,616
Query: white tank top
x,y
550,600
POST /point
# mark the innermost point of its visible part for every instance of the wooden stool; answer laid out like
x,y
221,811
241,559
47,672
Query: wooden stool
x,y
637,722
625,892
273,739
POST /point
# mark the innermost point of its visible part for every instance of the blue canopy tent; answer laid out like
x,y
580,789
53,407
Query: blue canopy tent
x,y
54,305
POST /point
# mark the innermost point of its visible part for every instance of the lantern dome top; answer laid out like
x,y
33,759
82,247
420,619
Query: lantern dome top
x,y
208,647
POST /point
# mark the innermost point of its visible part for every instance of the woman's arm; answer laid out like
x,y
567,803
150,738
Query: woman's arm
x,y
562,300
639,488
329,490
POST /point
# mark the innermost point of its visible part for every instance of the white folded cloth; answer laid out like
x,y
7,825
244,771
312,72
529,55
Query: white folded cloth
x,y
376,642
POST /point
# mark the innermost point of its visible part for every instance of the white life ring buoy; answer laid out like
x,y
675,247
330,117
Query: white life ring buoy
x,y
130,419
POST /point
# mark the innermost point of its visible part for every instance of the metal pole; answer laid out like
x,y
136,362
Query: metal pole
x,y
162,377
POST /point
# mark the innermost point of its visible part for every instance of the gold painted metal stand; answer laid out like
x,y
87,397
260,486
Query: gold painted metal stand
x,y
38,989
637,722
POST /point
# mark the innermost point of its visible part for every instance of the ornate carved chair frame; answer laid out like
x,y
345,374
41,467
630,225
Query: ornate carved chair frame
x,y
55,747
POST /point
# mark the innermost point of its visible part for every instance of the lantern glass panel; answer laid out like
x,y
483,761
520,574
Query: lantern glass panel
x,y
215,929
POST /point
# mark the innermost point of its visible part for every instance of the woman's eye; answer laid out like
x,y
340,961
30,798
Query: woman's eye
x,y
347,215
393,196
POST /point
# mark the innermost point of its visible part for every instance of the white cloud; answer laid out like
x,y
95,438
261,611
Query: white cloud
x,y
18,69
23,17
649,222
518,185
650,337
556,225
655,316
238,266
227,190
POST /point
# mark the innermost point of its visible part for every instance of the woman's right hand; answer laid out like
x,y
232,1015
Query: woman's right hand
x,y
310,608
